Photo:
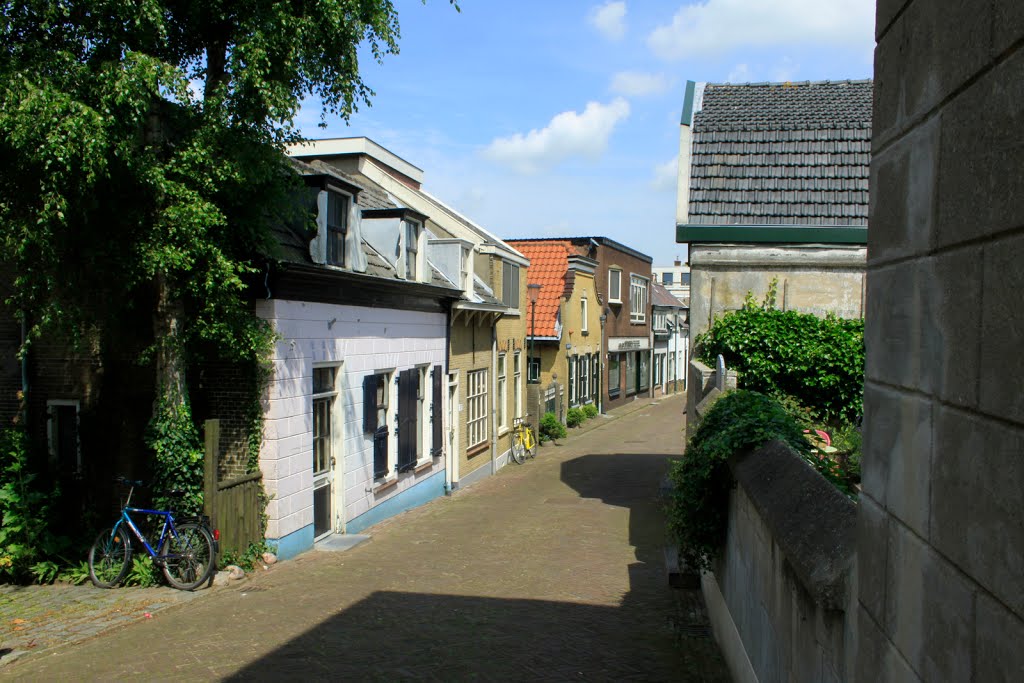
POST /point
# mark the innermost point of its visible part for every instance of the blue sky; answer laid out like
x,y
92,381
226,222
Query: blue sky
x,y
561,117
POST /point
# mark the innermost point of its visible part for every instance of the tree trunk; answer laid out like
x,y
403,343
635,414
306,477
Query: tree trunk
x,y
170,364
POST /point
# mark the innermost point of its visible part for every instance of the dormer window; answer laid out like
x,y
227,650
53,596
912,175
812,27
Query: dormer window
x,y
467,272
337,227
412,239
510,285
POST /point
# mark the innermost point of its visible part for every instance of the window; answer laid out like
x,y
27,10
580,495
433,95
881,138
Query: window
x,y
614,377
477,403
533,372
510,284
614,286
62,436
466,272
571,381
502,393
631,373
637,299
412,237
667,278
583,314
337,227
595,368
436,413
517,377
643,377
684,279
375,419
583,372
660,321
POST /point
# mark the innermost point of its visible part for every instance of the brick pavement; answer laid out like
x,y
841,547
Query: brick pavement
x,y
548,571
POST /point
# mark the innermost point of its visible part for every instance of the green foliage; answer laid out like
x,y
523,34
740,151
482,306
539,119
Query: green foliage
x,y
698,508
27,546
178,452
590,410
819,361
75,574
45,571
551,429
248,559
143,572
575,417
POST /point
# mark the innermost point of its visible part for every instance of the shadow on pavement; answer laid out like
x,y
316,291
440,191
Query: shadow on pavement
x,y
415,636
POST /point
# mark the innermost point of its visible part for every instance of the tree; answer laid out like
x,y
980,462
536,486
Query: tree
x,y
143,165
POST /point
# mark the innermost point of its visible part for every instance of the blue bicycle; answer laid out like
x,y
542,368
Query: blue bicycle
x,y
186,552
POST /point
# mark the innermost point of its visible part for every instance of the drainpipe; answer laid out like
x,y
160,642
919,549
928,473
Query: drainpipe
x,y
494,398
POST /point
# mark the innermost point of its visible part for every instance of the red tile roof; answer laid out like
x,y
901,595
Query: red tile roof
x,y
549,263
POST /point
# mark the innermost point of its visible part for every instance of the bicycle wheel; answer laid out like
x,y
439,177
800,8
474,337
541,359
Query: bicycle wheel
x,y
187,556
109,557
518,449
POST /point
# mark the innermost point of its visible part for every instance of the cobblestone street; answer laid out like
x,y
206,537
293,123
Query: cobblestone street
x,y
552,570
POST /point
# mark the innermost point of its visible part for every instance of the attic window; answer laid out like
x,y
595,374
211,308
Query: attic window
x,y
510,285
412,236
337,227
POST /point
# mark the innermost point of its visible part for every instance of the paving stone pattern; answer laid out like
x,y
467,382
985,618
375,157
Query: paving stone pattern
x,y
552,570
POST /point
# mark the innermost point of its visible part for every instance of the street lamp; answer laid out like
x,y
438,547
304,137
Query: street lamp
x,y
533,292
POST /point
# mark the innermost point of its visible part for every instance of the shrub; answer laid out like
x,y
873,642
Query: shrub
x,y
698,506
27,545
551,429
818,361
590,410
575,417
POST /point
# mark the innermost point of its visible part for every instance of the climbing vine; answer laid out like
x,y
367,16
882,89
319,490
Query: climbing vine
x,y
178,457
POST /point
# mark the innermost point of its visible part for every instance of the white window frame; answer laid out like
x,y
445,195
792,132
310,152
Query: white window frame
x,y
476,408
583,314
502,388
571,381
615,275
637,299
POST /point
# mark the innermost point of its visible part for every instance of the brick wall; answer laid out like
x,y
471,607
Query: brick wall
x,y
941,549
223,391
470,351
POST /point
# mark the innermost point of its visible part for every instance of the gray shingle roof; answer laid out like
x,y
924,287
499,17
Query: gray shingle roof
x,y
782,153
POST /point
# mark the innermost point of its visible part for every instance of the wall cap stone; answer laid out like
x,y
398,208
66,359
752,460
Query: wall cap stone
x,y
811,521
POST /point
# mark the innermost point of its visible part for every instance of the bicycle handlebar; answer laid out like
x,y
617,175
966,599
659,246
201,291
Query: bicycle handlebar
x,y
128,482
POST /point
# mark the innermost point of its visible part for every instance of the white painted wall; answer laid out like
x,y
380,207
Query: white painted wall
x,y
362,341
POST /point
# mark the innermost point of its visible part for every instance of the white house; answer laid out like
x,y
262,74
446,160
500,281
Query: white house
x,y
355,402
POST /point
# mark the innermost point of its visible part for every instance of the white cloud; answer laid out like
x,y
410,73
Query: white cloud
x,y
666,176
638,83
740,74
718,26
609,19
569,134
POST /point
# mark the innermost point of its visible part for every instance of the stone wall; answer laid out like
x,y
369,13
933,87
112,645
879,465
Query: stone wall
x,y
809,278
702,389
941,542
780,599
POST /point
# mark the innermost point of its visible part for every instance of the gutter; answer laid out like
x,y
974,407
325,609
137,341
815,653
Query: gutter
x,y
694,233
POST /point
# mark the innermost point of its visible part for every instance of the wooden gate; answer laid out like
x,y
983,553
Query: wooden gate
x,y
234,506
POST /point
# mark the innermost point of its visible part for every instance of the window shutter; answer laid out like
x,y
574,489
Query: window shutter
x,y
370,404
436,413
408,387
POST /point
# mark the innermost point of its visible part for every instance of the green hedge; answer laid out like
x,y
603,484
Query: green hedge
x,y
819,361
698,508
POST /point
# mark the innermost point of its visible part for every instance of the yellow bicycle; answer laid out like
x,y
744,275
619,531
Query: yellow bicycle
x,y
523,443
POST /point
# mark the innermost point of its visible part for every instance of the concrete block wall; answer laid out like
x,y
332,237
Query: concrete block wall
x,y
780,599
941,542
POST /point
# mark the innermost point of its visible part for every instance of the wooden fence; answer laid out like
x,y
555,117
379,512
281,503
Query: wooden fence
x,y
234,506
